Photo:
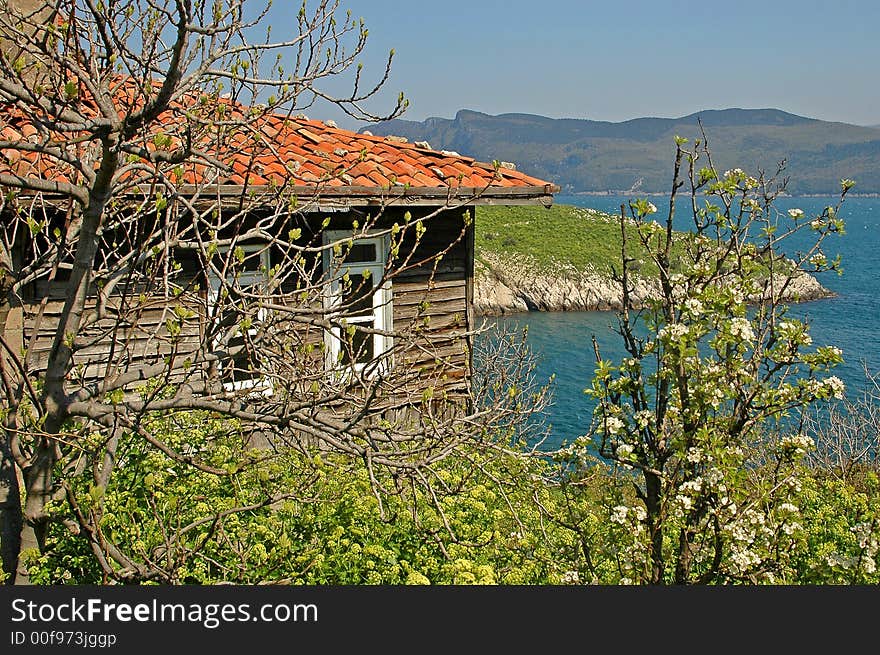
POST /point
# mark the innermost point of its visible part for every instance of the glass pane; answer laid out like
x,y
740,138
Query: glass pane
x,y
252,261
230,306
361,252
358,348
357,298
240,367
232,309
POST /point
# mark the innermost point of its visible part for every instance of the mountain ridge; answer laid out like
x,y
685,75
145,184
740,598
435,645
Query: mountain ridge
x,y
583,155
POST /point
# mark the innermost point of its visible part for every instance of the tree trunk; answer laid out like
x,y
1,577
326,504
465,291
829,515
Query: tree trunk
x,y
655,525
38,486
10,511
10,490
39,474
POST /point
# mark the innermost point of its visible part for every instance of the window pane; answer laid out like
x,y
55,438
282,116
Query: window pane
x,y
240,367
358,348
357,298
359,302
253,259
361,252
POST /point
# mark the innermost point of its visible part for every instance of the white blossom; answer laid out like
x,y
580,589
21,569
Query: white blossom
x,y
790,527
571,577
613,425
684,502
714,475
693,306
694,486
618,514
796,213
744,559
800,443
819,259
742,329
836,386
624,451
838,560
644,417
795,331
673,332
867,539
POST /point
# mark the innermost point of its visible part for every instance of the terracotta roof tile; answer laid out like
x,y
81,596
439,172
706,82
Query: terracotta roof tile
x,y
297,152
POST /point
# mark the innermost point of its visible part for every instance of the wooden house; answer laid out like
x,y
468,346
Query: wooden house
x,y
401,216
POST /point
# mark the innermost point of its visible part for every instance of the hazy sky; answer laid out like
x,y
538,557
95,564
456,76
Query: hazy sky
x,y
616,60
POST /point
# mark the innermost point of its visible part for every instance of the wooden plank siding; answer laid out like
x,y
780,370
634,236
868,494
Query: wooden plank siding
x,y
431,301
131,344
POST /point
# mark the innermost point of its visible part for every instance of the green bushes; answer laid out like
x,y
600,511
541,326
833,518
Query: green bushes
x,y
505,518
300,518
840,537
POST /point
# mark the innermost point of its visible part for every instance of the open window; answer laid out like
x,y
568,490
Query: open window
x,y
358,304
236,315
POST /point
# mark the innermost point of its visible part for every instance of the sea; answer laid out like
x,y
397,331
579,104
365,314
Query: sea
x,y
561,342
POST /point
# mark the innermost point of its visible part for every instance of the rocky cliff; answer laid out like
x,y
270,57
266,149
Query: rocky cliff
x,y
505,285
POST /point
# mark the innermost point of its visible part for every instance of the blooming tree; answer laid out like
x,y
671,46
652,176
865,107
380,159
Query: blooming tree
x,y
699,421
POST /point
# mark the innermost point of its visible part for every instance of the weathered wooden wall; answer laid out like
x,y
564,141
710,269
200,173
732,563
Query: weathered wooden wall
x,y
430,299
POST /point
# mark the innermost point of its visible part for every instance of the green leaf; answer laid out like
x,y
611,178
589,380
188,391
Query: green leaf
x,y
96,492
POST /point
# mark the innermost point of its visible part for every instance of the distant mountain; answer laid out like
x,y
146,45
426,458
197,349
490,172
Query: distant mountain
x,y
585,155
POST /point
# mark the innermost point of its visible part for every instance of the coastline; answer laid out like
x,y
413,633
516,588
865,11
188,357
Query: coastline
x,y
638,194
513,285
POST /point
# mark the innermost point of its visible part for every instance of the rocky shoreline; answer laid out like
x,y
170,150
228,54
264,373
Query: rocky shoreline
x,y
515,285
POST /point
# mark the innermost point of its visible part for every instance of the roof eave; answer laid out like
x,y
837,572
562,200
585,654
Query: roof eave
x,y
397,194
342,196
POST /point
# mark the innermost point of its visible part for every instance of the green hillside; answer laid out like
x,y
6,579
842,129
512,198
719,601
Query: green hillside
x,y
561,234
585,155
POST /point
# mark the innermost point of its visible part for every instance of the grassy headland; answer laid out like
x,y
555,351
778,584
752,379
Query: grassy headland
x,y
585,239
562,258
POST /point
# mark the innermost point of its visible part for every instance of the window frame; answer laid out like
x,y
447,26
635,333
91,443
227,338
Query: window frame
x,y
259,277
382,315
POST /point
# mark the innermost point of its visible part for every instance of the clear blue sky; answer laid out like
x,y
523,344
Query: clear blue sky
x,y
616,60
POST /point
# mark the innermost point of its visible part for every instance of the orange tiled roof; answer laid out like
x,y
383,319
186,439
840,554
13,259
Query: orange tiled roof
x,y
278,150
320,153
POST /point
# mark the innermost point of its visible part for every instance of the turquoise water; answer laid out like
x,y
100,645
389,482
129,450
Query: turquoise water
x,y
561,341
